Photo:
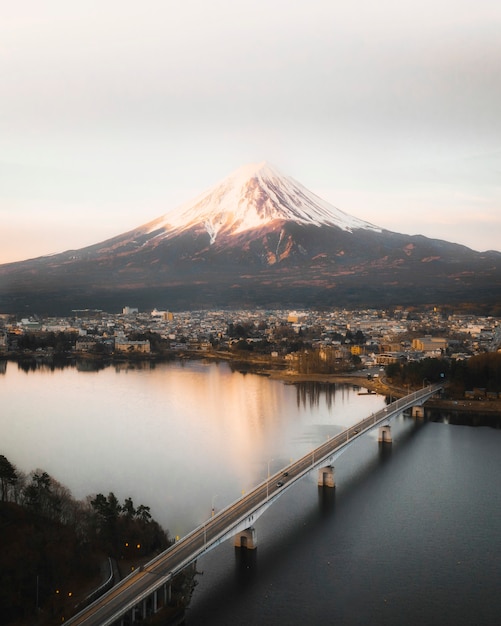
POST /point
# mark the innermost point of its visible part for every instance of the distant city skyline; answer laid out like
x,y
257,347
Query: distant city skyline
x,y
113,114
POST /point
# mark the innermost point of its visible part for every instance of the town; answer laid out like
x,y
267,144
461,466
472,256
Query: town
x,y
392,353
299,341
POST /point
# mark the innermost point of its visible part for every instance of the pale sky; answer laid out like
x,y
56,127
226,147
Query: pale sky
x,y
114,112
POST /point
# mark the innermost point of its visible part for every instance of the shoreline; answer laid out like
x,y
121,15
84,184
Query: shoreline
x,y
484,407
274,371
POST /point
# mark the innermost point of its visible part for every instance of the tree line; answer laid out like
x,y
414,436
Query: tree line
x,y
480,371
53,543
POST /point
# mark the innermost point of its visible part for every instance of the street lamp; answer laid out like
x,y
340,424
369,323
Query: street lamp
x,y
268,480
270,461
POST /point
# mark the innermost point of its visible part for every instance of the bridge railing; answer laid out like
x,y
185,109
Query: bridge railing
x,y
319,453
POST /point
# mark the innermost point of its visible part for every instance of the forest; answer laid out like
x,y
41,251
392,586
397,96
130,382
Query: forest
x,y
56,549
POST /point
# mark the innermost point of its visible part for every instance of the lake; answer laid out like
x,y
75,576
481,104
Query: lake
x,y
410,534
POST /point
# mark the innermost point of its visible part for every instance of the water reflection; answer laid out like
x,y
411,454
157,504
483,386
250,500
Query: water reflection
x,y
311,393
169,435
90,365
81,364
43,364
326,501
245,566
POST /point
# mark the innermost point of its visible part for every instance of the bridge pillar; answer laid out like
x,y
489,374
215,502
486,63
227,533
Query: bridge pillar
x,y
384,434
167,593
417,411
246,539
326,476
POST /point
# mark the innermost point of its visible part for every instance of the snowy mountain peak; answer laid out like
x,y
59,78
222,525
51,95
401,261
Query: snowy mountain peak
x,y
252,197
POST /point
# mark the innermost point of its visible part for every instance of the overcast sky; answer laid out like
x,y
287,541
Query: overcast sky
x,y
114,112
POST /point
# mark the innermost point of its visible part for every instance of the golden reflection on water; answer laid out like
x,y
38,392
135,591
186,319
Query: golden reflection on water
x,y
176,437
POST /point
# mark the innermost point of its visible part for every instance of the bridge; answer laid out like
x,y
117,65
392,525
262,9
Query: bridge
x,y
147,590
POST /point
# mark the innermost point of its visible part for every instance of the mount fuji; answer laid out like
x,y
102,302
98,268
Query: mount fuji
x,y
258,238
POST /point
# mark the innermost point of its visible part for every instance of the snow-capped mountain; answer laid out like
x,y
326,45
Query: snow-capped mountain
x,y
258,238
252,197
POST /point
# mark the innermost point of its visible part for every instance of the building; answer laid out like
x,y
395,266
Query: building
x,y
166,316
387,358
429,344
296,318
126,345
85,344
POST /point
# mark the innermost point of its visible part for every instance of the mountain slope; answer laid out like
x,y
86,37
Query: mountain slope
x,y
256,238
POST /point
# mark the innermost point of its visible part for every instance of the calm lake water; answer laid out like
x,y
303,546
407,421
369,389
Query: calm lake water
x,y
410,535
178,437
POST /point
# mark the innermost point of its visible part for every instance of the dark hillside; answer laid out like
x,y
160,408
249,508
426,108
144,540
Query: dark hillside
x,y
44,566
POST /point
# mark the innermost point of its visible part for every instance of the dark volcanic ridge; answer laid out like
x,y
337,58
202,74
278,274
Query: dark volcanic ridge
x,y
256,239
